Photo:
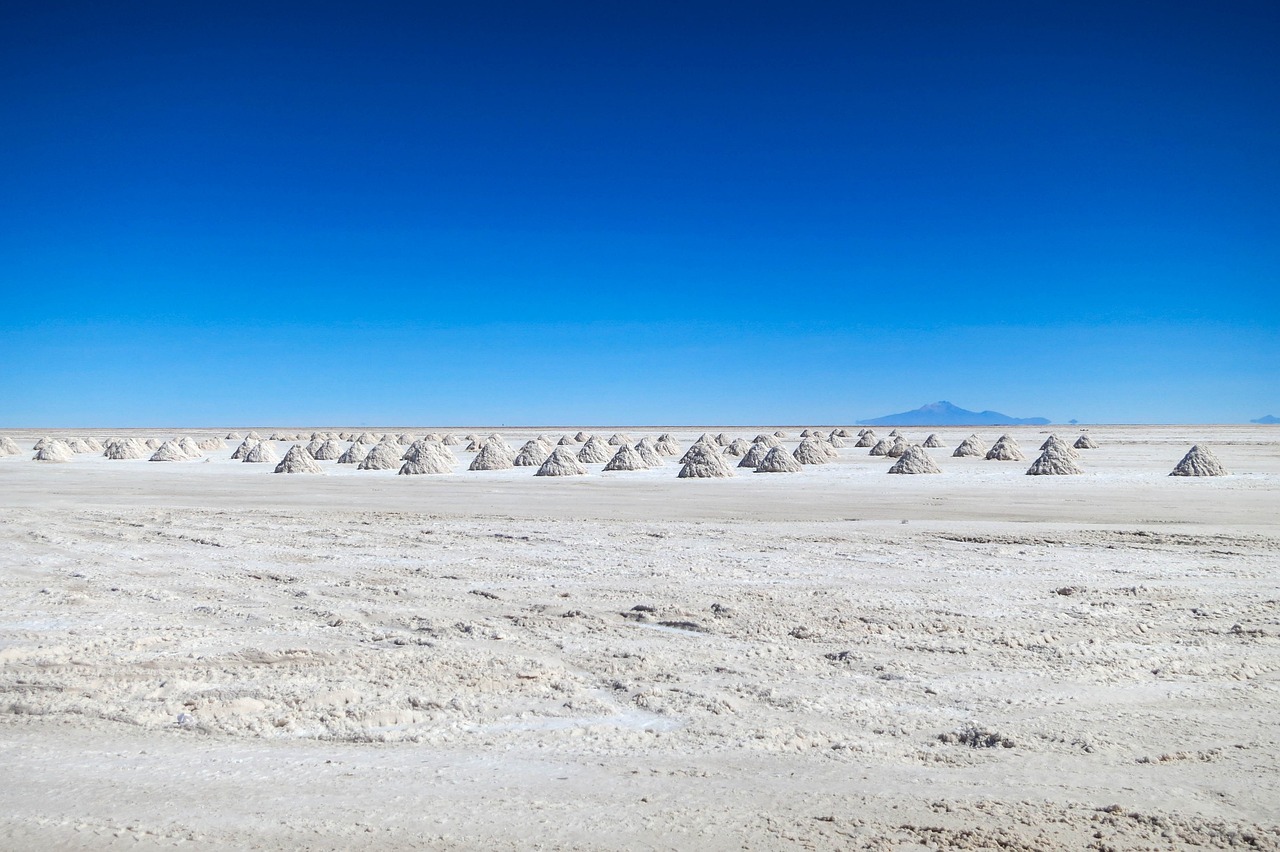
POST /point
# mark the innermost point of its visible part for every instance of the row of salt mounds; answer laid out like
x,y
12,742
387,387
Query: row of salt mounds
x,y
298,460
932,442
648,451
562,463
124,448
627,458
54,451
703,461
260,453
8,447
532,454
1199,461
1054,462
594,451
778,460
970,446
1084,442
427,457
382,456
813,451
494,455
915,459
667,445
1005,449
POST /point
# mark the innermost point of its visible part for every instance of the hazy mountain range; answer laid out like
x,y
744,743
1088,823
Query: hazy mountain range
x,y
944,413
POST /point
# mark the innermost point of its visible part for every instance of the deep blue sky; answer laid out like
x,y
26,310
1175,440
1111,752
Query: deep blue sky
x,y
604,213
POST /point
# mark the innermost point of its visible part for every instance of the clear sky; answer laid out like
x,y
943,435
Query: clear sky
x,y
557,212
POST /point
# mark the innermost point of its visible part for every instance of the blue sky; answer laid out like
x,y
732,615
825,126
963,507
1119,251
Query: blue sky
x,y
696,212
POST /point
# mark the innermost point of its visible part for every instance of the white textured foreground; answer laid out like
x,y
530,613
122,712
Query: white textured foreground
x,y
196,654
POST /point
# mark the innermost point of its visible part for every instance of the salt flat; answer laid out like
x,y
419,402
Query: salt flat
x,y
205,653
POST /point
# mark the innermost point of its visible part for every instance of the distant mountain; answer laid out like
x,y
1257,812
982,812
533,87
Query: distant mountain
x,y
945,414
1269,420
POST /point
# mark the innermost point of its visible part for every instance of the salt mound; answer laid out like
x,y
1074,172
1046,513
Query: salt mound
x,y
899,447
738,447
313,447
915,459
895,434
703,461
425,463
811,451
298,460
233,436
841,432
836,441
328,451
243,450
1053,462
79,446
381,457
532,454
706,442
261,453
354,454
276,436
1003,450
755,454
648,452
450,440
866,439
169,451
807,433
127,448
1060,446
1084,442
433,450
723,440
565,441
933,441
768,440
211,444
492,456
778,460
151,444
8,447
626,459
474,445
405,439
667,445
970,446
190,447
562,463
779,434
581,437
92,444
618,440
594,451
366,438
54,450
882,446
1199,461
42,443
253,436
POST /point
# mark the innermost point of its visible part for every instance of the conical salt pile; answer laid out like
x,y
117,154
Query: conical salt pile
x,y
8,447
626,459
649,452
617,440
42,443
169,451
565,441
738,447
755,454
354,454
450,440
841,432
261,453
1199,461
899,447
882,447
439,455
54,451
562,463
313,446
404,440
532,454
211,444
836,442
425,463
1062,447
366,438
125,448
298,460
723,440
276,436
915,459
933,441
779,434
895,434
866,439
1005,449
79,446
1084,442
706,442
381,457
233,436
667,445
703,461
243,450
190,447
492,456
970,446
581,437
811,451
778,460
1053,462
92,444
253,436
768,440
807,433
594,451
328,451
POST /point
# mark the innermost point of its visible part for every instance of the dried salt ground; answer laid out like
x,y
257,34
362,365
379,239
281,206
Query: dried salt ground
x,y
1199,461
915,459
298,460
561,462
778,460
